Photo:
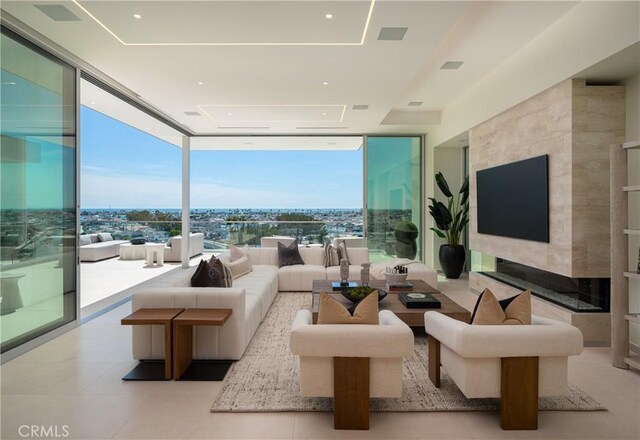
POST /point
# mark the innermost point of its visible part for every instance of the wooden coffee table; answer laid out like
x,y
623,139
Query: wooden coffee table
x,y
411,317
154,370
184,367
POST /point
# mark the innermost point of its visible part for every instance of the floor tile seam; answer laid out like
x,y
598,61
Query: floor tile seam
x,y
131,416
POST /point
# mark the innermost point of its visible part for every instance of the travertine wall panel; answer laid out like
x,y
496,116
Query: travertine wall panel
x,y
574,124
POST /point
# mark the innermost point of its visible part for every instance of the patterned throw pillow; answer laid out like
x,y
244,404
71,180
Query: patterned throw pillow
x,y
514,310
342,251
289,255
331,311
225,274
331,255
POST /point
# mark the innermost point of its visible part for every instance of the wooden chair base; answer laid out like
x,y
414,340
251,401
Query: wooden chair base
x,y
518,388
351,393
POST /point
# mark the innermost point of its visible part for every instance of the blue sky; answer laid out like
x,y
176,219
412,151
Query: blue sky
x,y
123,167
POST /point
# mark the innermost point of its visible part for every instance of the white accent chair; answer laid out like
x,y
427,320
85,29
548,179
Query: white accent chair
x,y
517,363
351,363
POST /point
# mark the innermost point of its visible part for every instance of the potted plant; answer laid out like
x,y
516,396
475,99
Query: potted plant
x,y
406,234
450,221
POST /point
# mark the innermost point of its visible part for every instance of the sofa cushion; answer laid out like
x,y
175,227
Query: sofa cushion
x,y
299,278
330,311
226,277
85,240
289,255
239,267
513,310
105,236
94,238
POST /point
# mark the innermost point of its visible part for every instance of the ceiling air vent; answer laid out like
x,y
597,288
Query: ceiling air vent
x,y
244,128
360,107
415,103
452,65
57,12
321,128
192,113
392,33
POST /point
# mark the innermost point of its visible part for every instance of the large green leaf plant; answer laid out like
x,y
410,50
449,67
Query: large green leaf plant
x,y
453,217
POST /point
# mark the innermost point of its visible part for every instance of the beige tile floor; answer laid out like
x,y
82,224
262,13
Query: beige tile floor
x,y
74,380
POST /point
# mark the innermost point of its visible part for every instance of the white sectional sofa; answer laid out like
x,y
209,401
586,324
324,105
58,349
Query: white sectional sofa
x,y
249,298
92,249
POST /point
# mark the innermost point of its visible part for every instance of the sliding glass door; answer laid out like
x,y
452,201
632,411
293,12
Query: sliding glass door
x,y
38,192
393,197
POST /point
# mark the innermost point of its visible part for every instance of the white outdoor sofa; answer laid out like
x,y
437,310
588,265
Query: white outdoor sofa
x,y
173,248
93,249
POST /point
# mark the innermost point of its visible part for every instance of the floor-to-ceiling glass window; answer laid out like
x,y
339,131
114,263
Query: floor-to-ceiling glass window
x,y
38,192
394,197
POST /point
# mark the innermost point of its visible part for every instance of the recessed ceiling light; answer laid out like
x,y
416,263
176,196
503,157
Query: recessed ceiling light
x,y
137,16
93,103
452,65
200,83
328,16
325,83
228,114
324,114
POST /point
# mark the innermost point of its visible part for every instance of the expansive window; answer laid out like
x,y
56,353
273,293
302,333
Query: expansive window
x,y
246,188
37,203
394,197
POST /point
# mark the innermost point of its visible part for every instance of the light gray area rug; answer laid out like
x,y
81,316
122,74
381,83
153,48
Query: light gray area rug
x,y
266,378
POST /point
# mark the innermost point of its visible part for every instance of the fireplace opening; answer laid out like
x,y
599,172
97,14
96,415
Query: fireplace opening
x,y
590,295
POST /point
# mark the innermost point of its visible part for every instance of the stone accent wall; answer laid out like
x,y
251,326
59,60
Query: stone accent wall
x,y
574,124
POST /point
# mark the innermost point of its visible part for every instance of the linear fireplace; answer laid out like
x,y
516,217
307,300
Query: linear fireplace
x,y
576,294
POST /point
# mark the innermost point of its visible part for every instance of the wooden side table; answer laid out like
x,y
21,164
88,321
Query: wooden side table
x,y
184,367
154,370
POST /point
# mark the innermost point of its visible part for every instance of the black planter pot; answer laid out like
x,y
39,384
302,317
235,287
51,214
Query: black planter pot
x,y
452,258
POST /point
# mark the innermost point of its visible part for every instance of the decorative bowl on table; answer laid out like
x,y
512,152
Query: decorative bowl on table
x,y
396,278
359,293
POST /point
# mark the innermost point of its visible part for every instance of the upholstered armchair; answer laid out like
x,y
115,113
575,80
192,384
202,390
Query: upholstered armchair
x,y
351,363
517,363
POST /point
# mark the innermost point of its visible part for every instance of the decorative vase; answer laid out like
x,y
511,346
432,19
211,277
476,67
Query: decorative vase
x,y
406,234
364,274
452,257
344,271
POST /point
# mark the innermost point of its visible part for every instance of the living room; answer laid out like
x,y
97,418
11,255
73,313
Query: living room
x,y
483,87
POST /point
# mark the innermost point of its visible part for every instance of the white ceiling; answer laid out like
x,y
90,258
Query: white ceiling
x,y
278,86
271,143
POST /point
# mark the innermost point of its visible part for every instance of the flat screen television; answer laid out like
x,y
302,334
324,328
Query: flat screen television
x,y
512,200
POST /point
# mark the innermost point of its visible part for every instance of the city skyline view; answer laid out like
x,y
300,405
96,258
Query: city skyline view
x,y
125,168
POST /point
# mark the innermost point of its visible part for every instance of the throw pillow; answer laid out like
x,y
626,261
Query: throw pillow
x,y
236,252
331,255
342,250
105,236
240,267
289,255
330,311
202,276
226,277
513,310
85,240
94,238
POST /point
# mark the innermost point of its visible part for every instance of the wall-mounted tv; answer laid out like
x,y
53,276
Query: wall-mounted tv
x,y
512,200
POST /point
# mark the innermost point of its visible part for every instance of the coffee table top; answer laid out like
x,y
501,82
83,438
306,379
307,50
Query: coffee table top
x,y
203,317
412,317
151,316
